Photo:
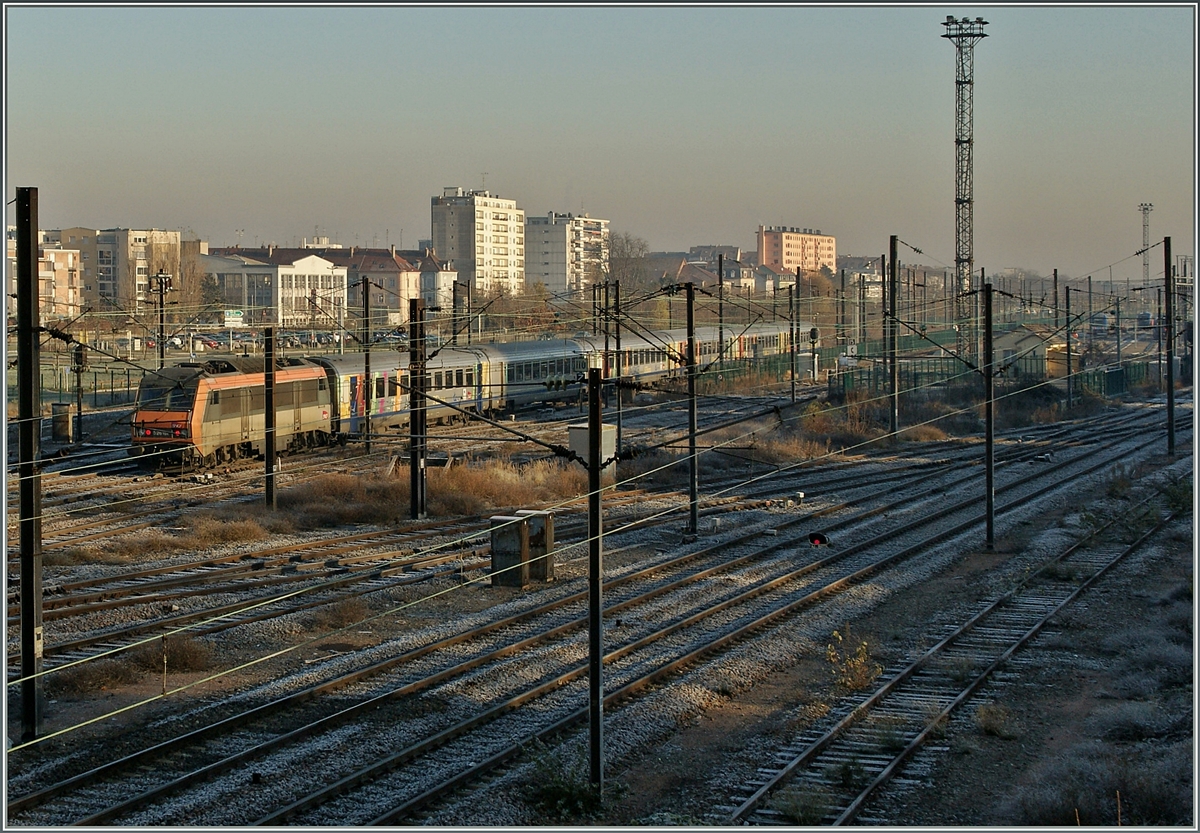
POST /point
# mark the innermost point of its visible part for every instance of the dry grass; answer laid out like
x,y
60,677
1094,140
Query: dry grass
x,y
201,531
340,499
803,804
996,720
184,654
1154,783
338,615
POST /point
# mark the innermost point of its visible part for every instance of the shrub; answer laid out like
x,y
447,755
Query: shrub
x,y
852,669
1154,784
561,786
996,720
94,675
184,653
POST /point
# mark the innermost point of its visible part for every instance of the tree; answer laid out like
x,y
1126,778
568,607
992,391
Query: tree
x,y
627,256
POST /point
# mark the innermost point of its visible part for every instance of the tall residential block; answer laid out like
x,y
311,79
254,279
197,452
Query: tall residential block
x,y
565,253
786,248
118,264
483,238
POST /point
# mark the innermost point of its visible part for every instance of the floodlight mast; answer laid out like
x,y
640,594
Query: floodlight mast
x,y
964,34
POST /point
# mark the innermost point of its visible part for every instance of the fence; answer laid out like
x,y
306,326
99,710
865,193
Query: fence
x,y
102,386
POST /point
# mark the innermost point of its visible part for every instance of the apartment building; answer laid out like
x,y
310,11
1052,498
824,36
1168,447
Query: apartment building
x,y
564,252
787,247
117,265
482,237
59,284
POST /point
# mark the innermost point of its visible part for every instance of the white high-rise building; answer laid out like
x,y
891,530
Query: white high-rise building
x,y
564,252
483,238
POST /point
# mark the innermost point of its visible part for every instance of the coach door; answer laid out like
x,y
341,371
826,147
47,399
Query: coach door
x,y
243,396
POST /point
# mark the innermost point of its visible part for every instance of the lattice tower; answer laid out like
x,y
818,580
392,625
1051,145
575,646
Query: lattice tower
x,y
964,34
1145,208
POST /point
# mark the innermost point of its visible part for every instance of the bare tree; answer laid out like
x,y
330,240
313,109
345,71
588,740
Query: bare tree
x,y
627,261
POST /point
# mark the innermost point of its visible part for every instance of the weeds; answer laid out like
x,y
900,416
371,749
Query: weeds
x,y
848,775
339,614
961,669
996,720
1120,481
1177,495
561,785
805,805
852,670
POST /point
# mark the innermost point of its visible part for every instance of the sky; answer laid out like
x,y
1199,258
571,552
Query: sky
x,y
684,126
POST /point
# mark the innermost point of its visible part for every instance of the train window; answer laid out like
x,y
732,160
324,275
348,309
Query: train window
x,y
470,378
458,378
437,380
393,386
545,370
520,369
510,374
321,383
380,387
214,397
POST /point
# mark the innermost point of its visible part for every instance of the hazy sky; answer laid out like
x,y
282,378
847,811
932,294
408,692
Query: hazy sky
x,y
684,126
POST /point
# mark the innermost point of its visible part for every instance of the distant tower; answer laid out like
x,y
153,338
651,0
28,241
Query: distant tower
x,y
1145,208
964,34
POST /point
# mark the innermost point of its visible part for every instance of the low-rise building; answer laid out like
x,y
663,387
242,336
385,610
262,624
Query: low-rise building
x,y
279,287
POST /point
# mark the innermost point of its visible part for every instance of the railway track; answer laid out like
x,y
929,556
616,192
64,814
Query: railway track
x,y
756,608
336,567
839,768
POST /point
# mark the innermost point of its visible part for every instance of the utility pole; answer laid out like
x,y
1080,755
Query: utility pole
x,y
1068,295
693,474
620,357
1169,278
990,422
893,337
29,431
792,335
964,34
164,285
454,313
367,387
1091,329
1056,316
269,403
1158,334
417,379
721,311
79,361
596,586
1118,305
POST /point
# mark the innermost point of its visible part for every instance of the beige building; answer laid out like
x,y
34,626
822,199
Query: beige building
x,y
565,253
787,248
117,264
482,237
59,282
